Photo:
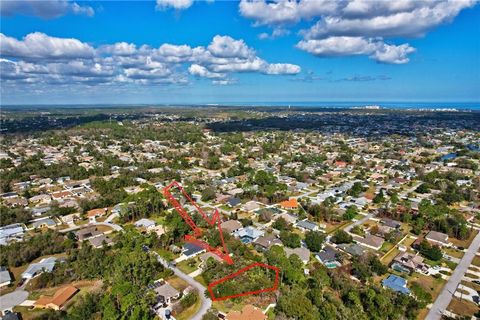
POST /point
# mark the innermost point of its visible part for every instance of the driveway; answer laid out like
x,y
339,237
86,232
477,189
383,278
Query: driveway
x,y
206,302
358,222
13,299
443,300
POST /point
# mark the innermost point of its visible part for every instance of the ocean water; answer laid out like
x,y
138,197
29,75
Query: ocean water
x,y
350,104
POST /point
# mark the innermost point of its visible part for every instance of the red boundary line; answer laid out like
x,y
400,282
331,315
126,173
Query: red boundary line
x,y
233,275
223,255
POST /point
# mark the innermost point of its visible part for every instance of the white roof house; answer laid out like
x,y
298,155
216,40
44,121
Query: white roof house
x,y
45,265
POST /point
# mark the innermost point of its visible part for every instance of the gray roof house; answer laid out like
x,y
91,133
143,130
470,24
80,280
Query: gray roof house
x,y
248,234
166,293
306,225
5,278
302,253
438,238
328,256
45,265
12,232
144,223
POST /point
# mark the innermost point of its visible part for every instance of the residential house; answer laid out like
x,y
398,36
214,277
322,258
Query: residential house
x,y
87,233
96,213
352,249
264,243
166,294
233,202
5,278
190,250
438,238
230,226
249,312
396,283
144,223
58,300
11,233
100,241
408,262
291,204
207,255
248,234
45,265
306,225
41,223
250,206
370,241
328,257
302,253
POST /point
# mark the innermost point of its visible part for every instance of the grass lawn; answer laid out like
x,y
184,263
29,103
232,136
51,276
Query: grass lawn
x,y
462,307
471,285
226,306
428,283
202,281
464,243
188,266
388,258
225,207
177,283
453,252
103,228
190,311
476,261
167,255
408,242
386,246
331,228
471,275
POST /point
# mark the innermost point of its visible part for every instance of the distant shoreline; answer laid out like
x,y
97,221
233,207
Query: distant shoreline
x,y
414,106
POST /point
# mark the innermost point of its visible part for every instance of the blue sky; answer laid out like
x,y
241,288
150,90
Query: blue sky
x,y
179,51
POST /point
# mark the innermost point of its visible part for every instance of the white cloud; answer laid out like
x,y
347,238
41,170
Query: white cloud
x,y
227,47
42,59
46,9
175,4
348,46
365,22
224,82
40,46
201,71
119,49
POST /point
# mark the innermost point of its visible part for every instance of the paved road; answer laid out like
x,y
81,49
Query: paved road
x,y
206,302
443,300
13,299
114,226
358,222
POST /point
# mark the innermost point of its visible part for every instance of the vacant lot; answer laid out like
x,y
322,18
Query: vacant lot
x,y
462,307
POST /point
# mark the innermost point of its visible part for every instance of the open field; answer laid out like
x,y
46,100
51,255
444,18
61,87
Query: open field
x,y
462,307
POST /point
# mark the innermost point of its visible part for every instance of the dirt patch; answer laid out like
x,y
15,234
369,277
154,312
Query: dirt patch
x,y
462,307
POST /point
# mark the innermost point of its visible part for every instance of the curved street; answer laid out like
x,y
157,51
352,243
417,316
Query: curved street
x,y
206,303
